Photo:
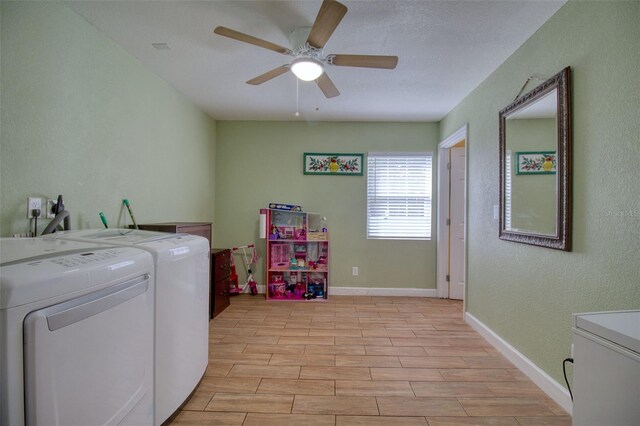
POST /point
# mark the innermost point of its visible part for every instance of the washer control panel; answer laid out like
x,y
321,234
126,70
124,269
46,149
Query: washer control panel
x,y
85,258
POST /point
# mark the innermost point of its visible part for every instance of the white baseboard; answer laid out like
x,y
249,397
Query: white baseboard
x,y
376,291
551,387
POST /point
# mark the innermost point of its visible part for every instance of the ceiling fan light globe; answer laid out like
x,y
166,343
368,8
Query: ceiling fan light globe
x,y
307,69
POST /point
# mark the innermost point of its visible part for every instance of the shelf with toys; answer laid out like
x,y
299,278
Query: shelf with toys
x,y
297,256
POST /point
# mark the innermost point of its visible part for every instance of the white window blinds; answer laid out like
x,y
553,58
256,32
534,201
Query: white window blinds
x,y
399,195
507,190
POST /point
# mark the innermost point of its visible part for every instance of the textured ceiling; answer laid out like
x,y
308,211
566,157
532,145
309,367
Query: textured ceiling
x,y
445,49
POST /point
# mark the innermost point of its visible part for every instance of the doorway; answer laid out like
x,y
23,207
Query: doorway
x,y
452,215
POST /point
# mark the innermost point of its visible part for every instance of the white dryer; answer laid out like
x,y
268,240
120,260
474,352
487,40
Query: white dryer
x,y
606,372
182,307
76,327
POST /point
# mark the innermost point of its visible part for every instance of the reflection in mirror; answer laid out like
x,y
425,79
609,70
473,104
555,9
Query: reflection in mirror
x,y
535,167
531,203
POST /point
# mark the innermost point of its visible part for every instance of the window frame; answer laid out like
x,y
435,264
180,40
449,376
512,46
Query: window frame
x,y
409,200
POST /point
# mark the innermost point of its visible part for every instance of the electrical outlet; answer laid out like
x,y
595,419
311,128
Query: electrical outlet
x,y
49,208
34,203
354,271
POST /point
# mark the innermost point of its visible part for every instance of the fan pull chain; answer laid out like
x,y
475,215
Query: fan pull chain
x,y
297,114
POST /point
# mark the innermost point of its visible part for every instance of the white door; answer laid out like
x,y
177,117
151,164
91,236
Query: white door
x,y
456,229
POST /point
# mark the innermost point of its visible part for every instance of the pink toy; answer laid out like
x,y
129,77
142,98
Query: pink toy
x,y
275,233
299,291
276,286
280,255
287,232
279,290
249,257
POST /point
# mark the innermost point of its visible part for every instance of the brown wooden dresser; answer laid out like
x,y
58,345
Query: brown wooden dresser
x,y
220,271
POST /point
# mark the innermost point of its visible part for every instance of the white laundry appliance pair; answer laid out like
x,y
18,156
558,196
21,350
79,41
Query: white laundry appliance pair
x,y
76,333
49,273
182,270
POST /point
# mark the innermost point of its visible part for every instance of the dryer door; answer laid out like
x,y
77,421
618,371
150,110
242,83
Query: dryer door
x,y
89,360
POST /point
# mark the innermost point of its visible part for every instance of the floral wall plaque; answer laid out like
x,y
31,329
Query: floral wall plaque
x,y
333,164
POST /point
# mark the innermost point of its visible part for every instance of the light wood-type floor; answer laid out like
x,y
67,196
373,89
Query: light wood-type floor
x,y
359,360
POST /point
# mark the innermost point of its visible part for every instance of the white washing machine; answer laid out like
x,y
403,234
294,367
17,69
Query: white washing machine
x,y
606,372
76,333
182,307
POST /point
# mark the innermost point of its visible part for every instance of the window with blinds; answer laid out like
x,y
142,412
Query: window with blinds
x,y
507,191
399,195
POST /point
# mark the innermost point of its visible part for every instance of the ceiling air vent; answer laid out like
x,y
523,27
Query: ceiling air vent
x,y
161,46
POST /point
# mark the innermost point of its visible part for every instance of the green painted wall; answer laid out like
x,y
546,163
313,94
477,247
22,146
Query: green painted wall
x,y
527,294
82,117
261,162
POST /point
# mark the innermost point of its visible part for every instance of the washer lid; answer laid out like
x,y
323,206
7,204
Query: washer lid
x,y
621,328
19,250
37,269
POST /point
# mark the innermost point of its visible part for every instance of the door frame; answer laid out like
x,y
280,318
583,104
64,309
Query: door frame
x,y
442,263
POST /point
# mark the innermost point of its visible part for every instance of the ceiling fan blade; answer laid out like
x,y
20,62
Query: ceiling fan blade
x,y
329,16
237,35
364,61
326,85
269,75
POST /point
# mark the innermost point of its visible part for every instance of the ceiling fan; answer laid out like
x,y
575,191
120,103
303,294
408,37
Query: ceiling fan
x,y
309,61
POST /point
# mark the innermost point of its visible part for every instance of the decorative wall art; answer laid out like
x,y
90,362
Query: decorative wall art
x,y
333,164
536,163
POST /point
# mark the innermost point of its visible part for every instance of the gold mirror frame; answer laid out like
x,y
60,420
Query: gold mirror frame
x,y
562,238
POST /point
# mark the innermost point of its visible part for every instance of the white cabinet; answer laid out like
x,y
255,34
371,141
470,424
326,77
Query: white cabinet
x,y
606,379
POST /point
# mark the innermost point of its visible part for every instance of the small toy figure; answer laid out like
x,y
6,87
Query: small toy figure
x,y
276,286
275,233
317,288
298,292
300,234
279,290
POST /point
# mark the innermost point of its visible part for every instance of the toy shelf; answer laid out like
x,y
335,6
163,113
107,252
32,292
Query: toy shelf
x,y
297,270
297,256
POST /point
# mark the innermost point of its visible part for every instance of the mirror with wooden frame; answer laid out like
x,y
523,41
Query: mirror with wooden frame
x,y
535,166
